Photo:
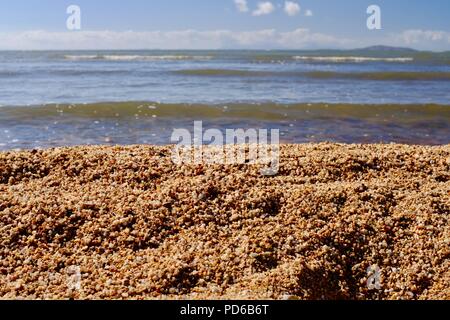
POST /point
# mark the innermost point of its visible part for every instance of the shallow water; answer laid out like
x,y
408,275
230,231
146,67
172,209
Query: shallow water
x,y
70,98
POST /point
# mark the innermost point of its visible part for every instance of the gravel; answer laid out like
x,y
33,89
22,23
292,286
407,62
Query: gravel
x,y
336,222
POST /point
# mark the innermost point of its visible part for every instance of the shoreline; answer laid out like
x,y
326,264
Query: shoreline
x,y
134,225
130,123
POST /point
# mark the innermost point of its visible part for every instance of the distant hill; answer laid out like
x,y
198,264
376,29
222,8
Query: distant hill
x,y
379,50
388,49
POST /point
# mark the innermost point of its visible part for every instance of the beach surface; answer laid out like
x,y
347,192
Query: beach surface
x,y
337,222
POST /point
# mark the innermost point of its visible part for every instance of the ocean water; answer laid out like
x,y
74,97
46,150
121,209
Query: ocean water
x,y
58,98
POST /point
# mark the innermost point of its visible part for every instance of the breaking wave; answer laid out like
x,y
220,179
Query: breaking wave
x,y
135,57
352,59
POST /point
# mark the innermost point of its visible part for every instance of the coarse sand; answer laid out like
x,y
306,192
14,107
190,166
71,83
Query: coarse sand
x,y
337,222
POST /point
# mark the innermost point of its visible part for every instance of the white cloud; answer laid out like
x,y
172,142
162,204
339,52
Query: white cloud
x,y
264,8
308,13
241,5
304,38
421,39
291,8
411,37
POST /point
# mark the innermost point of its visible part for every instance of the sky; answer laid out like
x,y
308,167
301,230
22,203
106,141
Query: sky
x,y
223,24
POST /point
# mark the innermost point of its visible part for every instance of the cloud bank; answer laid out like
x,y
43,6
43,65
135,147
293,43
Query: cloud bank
x,y
412,37
185,39
300,38
421,39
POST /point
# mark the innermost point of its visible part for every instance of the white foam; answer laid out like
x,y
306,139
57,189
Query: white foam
x,y
352,59
135,57
81,57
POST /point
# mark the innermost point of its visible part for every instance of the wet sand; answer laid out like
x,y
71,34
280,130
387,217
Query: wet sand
x,y
127,223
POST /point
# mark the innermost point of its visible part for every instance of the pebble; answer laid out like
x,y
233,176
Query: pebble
x,y
138,226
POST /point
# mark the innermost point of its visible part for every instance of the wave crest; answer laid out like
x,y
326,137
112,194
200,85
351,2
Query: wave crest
x,y
135,57
352,59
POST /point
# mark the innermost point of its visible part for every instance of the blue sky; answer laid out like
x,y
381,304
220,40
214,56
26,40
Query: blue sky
x,y
41,24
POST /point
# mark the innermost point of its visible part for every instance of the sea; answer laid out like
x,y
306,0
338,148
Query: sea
x,y
66,98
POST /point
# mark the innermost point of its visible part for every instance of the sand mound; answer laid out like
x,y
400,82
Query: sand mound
x,y
125,222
